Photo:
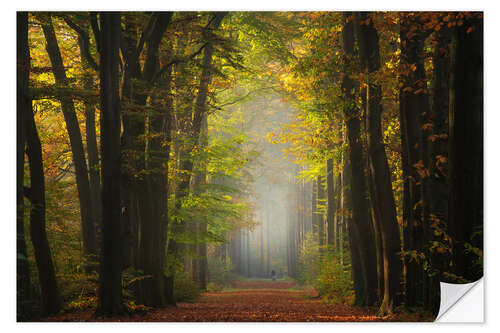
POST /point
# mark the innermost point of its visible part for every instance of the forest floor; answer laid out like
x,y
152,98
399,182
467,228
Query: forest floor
x,y
251,301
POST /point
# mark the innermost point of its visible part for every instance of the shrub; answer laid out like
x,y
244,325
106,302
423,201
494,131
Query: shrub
x,y
308,265
334,281
185,289
323,271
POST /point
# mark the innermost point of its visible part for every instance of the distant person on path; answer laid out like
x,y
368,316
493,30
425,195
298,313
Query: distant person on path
x,y
273,275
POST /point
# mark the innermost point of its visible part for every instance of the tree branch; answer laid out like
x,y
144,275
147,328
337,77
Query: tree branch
x,y
220,107
84,39
145,33
95,28
177,61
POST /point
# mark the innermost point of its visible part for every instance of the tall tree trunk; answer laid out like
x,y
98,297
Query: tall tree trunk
x,y
466,147
249,274
438,166
268,244
374,204
262,263
331,208
200,179
314,207
321,220
131,147
376,218
379,169
361,223
91,138
414,113
410,131
158,158
439,117
352,235
145,183
50,297
237,252
288,244
292,228
291,252
75,138
339,217
110,284
24,288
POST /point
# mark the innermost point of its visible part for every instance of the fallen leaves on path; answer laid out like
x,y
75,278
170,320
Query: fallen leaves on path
x,y
263,284
261,302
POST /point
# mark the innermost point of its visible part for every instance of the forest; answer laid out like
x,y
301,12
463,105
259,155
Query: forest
x,y
246,166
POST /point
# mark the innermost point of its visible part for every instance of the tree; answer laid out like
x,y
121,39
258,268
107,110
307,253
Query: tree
x,y
320,217
110,285
50,297
361,225
146,155
24,288
466,147
379,168
411,105
331,207
200,265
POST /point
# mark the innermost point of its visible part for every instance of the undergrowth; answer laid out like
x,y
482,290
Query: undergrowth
x,y
324,270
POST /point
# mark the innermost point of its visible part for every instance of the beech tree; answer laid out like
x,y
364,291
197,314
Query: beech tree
x,y
361,223
387,224
110,287
23,100
465,212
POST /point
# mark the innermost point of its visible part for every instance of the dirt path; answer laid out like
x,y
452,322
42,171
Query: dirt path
x,y
259,301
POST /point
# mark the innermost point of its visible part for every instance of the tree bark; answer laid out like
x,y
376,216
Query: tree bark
x,y
146,170
50,297
376,218
291,238
331,205
314,207
352,235
438,167
339,215
361,224
157,176
110,284
199,180
414,113
466,147
379,169
132,148
24,289
321,220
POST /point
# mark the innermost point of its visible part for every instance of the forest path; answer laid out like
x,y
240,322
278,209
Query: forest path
x,y
248,301
264,301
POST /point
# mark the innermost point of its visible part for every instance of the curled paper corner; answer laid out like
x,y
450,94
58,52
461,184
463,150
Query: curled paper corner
x,y
461,303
